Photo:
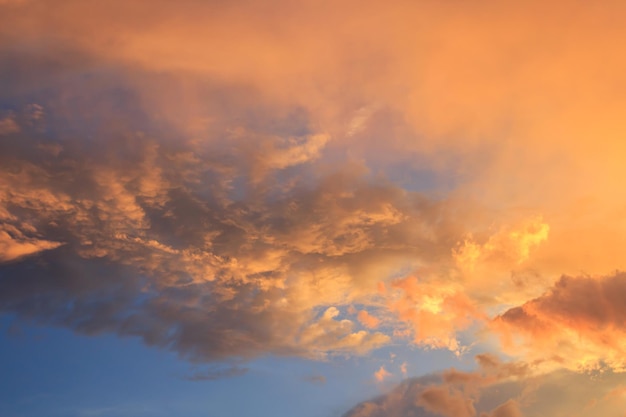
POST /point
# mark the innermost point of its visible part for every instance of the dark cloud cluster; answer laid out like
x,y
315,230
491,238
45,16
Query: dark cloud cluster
x,y
235,244
214,178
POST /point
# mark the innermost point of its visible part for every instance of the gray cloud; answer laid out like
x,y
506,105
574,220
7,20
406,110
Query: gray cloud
x,y
234,245
315,379
217,373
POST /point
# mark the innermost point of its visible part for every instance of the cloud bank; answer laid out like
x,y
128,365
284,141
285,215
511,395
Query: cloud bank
x,y
227,180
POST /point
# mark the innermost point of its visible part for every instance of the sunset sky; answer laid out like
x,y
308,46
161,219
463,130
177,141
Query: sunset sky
x,y
312,208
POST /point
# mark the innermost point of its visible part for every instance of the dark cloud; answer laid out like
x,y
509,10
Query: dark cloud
x,y
212,177
236,244
589,309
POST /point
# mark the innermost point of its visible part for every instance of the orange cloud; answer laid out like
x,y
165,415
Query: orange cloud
x,y
508,409
368,320
14,248
446,403
236,150
381,374
499,389
578,319
435,312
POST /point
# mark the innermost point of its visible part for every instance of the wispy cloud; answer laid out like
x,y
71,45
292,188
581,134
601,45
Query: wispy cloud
x,y
214,374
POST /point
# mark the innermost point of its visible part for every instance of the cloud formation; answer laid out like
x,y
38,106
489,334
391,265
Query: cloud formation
x,y
580,320
226,180
212,259
498,389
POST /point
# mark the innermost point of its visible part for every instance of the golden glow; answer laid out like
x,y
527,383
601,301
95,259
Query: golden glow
x,y
339,176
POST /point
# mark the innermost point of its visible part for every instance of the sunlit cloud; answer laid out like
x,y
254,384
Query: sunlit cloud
x,y
381,374
498,389
230,181
579,320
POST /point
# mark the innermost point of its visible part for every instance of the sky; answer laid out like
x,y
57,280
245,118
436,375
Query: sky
x,y
317,208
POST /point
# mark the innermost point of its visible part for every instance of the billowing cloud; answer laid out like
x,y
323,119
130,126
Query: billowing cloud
x,y
580,320
445,402
434,311
225,180
242,219
499,389
195,255
211,258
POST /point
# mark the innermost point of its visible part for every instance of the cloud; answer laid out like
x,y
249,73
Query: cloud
x,y
217,228
316,379
331,335
217,373
498,391
12,248
367,320
445,402
381,374
225,180
508,409
435,311
579,320
139,235
504,246
8,125
297,153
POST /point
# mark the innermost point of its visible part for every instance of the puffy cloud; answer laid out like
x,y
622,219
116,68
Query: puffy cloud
x,y
223,180
289,249
331,335
381,374
446,402
505,246
435,311
580,320
367,320
498,389
454,393
209,259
